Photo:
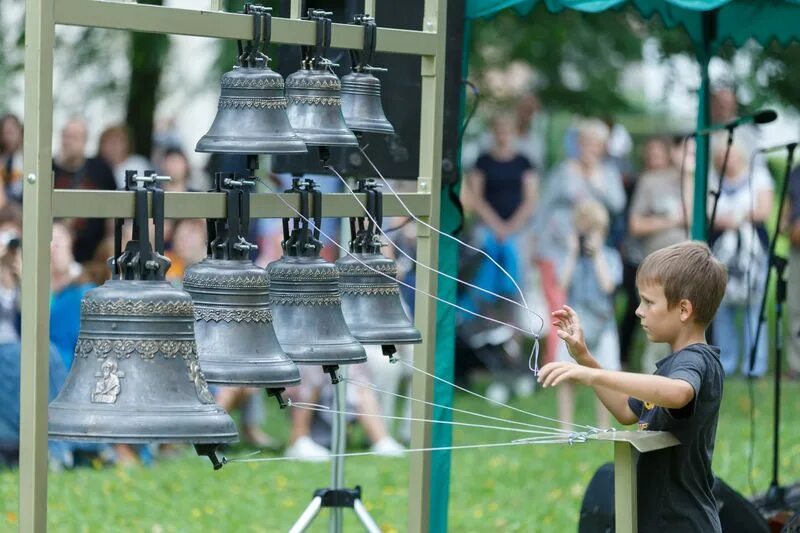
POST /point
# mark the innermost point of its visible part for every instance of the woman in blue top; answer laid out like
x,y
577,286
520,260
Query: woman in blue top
x,y
502,190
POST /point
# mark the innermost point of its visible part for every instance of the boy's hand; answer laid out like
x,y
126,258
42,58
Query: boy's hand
x,y
568,328
552,374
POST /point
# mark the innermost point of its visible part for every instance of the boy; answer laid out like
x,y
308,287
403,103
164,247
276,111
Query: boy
x,y
680,288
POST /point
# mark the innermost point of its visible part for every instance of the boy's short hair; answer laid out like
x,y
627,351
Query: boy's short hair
x,y
687,270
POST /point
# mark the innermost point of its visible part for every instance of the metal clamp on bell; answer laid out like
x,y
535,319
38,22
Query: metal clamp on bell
x,y
251,116
361,91
136,376
236,342
304,292
367,280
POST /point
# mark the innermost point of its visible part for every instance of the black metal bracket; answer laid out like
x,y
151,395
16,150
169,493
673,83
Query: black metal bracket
x,y
278,394
210,451
332,371
338,498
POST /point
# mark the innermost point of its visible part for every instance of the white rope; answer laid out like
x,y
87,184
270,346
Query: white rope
x,y
521,442
501,404
372,387
388,276
534,356
324,408
430,268
536,344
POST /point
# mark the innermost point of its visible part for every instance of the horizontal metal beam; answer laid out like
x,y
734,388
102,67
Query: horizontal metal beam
x,y
204,23
115,204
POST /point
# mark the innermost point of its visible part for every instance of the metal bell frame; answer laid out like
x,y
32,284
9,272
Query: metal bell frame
x,y
132,322
44,203
361,91
236,341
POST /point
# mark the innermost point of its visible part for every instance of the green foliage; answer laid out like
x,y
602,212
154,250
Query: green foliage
x,y
578,57
518,488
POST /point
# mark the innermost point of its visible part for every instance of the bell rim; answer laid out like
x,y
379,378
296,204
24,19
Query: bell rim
x,y
338,139
295,146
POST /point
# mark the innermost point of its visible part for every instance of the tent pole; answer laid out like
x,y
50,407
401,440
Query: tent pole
x,y
705,51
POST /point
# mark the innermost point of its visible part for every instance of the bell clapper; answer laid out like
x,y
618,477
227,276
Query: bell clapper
x,y
332,371
389,350
278,393
210,451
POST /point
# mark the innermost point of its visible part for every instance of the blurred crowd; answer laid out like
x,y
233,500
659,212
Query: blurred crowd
x,y
570,231
574,231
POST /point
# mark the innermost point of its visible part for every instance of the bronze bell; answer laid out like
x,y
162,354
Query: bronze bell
x,y
367,280
361,91
304,292
236,342
251,115
136,376
314,97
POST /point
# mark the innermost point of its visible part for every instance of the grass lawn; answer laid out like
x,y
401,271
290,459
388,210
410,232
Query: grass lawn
x,y
525,488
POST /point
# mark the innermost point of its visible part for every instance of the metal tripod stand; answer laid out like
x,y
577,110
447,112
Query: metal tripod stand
x,y
336,497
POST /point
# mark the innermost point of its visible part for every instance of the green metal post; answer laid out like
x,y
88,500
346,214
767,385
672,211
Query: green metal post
x,y
36,234
625,503
704,54
430,172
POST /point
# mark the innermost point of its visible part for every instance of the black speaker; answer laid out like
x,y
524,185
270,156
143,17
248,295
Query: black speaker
x,y
736,513
396,156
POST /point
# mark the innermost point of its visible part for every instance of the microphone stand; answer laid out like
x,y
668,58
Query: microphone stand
x,y
716,194
775,498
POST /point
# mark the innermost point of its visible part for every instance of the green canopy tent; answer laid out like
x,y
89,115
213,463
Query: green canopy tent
x,y
708,23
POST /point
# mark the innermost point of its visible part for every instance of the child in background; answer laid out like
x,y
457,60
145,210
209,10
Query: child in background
x,y
590,275
680,288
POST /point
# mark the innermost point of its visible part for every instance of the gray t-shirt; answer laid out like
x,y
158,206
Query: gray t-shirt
x,y
675,483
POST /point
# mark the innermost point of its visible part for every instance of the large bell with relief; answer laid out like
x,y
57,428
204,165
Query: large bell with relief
x,y
236,342
313,94
367,280
251,114
136,376
305,298
361,91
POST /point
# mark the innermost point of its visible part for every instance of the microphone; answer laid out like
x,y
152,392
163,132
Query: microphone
x,y
778,147
765,116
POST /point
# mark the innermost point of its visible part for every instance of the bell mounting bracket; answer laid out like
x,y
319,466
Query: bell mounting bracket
x,y
302,241
254,54
227,237
365,231
141,260
362,63
314,57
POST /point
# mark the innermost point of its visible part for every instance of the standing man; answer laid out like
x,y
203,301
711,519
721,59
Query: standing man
x,y
73,170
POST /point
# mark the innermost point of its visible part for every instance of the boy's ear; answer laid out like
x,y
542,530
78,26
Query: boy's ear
x,y
686,310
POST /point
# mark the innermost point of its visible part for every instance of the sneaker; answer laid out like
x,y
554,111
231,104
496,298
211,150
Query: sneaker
x,y
388,447
306,449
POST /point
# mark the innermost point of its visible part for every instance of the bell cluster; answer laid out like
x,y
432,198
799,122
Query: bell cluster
x,y
147,351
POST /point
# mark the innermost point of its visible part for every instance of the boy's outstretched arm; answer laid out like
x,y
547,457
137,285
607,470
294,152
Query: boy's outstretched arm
x,y
658,390
612,388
